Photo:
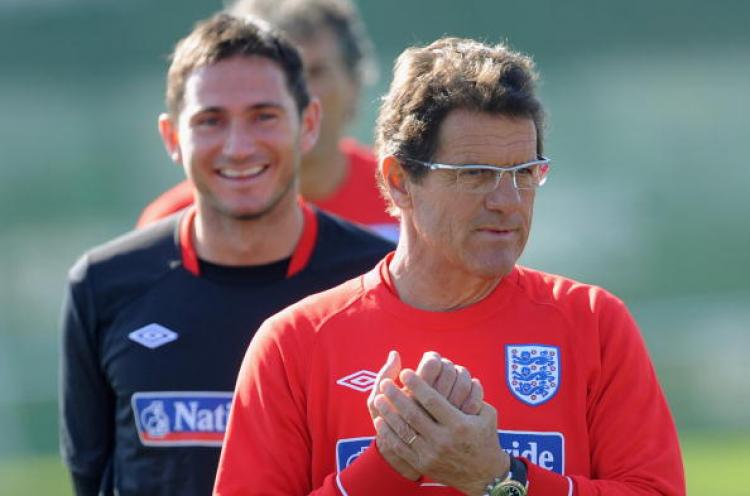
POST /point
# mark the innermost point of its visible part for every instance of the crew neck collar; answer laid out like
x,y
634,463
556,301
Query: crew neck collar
x,y
379,285
298,261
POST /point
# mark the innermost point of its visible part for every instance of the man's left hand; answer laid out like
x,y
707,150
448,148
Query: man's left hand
x,y
450,447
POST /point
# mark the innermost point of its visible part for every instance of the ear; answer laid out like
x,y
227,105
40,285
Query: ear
x,y
396,181
310,125
170,137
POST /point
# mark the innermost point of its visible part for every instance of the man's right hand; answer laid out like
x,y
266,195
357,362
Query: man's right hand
x,y
453,382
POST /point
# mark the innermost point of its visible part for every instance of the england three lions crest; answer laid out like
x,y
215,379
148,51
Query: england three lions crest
x,y
533,372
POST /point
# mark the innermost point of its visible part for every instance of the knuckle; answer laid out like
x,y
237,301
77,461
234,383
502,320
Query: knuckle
x,y
430,403
461,430
411,416
403,432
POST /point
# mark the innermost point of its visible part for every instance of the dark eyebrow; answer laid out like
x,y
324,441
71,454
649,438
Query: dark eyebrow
x,y
265,105
256,106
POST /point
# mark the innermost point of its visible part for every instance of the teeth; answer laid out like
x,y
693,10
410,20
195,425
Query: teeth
x,y
233,173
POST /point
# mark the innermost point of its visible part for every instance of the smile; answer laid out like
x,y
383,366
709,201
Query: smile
x,y
243,173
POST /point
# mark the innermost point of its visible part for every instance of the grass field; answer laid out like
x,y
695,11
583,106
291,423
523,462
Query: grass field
x,y
713,465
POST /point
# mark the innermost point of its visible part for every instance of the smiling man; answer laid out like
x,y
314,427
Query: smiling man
x,y
337,174
156,322
572,404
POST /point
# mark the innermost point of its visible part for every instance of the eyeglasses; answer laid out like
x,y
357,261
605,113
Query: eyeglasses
x,y
485,178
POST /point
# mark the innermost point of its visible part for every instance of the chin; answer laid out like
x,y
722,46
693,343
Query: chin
x,y
246,212
492,267
258,209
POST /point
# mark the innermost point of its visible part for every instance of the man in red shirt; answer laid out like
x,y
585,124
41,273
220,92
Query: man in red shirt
x,y
338,174
572,403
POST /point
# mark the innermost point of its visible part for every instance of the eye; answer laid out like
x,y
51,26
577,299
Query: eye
x,y
207,121
478,173
526,171
266,116
471,172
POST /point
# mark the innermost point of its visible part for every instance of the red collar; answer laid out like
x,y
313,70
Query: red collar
x,y
300,257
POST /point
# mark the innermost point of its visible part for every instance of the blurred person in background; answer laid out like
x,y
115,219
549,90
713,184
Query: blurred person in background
x,y
573,405
155,323
338,174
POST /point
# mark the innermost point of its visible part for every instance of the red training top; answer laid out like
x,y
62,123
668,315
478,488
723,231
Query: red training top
x,y
562,362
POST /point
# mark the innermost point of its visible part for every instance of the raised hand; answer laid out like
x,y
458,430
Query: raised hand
x,y
452,381
419,426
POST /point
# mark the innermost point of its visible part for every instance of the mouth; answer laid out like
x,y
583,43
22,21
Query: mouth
x,y
243,173
496,231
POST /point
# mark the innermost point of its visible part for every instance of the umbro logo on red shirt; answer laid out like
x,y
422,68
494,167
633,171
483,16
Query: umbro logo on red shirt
x,y
361,381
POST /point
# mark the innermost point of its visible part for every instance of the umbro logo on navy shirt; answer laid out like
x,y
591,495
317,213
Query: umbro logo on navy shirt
x,y
153,335
361,381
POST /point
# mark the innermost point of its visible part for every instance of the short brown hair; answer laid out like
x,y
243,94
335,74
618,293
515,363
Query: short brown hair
x,y
449,74
302,20
224,36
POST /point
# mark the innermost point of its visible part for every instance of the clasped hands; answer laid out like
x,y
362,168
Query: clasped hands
x,y
437,425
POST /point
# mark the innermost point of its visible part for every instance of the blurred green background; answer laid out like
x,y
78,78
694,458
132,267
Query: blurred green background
x,y
649,129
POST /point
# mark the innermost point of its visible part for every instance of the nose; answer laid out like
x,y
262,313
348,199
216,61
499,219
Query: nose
x,y
239,143
505,196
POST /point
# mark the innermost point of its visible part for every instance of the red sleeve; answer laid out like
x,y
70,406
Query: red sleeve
x,y
268,445
633,440
171,201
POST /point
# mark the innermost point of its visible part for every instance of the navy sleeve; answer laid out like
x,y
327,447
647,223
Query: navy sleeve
x,y
86,400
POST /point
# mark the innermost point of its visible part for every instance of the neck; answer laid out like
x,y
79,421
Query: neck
x,y
225,240
323,170
429,284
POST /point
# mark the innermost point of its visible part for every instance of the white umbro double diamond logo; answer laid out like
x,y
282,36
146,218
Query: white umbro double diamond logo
x,y
359,381
153,335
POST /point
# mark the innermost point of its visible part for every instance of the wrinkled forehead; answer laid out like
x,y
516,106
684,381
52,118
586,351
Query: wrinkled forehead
x,y
471,137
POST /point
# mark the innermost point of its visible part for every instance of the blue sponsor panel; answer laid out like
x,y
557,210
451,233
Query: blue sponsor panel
x,y
545,449
183,418
347,450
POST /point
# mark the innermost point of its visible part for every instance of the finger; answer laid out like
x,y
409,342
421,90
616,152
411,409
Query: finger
x,y
390,371
473,403
429,367
388,440
394,450
394,420
433,403
408,409
446,379
488,413
461,388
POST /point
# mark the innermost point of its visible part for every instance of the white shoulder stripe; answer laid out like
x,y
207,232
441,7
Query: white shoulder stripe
x,y
570,486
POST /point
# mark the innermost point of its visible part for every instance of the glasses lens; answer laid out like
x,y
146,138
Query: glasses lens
x,y
527,177
477,180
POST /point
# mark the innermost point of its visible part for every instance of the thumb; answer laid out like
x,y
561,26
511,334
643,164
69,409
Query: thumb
x,y
389,370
